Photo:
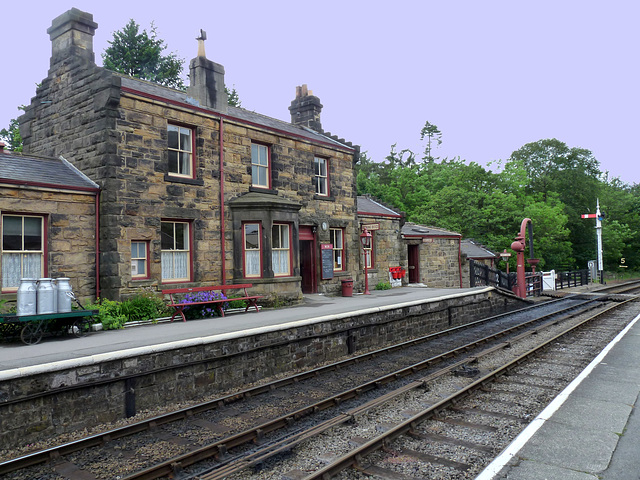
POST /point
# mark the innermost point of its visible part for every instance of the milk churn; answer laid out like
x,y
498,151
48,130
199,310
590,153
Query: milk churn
x,y
64,300
45,296
27,293
54,284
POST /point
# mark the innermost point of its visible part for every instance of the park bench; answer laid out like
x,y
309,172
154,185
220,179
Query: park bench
x,y
179,304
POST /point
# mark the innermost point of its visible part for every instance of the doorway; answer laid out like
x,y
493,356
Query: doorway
x,y
414,263
307,239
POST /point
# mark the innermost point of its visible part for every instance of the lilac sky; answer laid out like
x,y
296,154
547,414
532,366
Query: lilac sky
x,y
491,75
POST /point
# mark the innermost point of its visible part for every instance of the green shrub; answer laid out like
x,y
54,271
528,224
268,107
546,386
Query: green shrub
x,y
383,286
235,303
109,313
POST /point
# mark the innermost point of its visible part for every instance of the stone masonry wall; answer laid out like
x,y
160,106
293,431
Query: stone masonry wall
x,y
70,233
388,250
440,262
191,373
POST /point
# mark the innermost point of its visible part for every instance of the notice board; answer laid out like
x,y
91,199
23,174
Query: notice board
x,y
326,250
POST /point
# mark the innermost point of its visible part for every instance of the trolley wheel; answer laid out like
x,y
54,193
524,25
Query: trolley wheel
x,y
81,327
31,333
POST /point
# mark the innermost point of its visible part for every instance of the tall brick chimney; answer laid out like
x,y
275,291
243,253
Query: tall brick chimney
x,y
305,109
71,35
206,79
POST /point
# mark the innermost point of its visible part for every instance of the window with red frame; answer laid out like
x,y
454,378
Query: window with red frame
x,y
337,240
23,249
180,143
281,250
321,169
252,250
139,259
260,166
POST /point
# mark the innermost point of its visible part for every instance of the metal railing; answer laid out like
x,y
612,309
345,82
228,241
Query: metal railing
x,y
575,278
481,274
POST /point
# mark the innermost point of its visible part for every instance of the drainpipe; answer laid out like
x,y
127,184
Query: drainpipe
x,y
97,245
222,230
460,259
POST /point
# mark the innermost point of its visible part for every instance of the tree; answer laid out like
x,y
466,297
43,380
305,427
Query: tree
x,y
232,97
433,134
139,54
11,137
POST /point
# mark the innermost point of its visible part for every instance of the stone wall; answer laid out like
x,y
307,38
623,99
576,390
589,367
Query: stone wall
x,y
192,372
440,262
119,139
388,249
70,235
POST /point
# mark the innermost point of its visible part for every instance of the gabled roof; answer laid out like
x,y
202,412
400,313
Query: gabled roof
x,y
474,250
170,95
413,230
34,171
369,206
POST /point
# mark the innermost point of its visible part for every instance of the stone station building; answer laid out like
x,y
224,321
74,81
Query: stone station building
x,y
195,191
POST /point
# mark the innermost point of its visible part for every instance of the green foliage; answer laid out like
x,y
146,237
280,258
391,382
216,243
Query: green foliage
x,y
139,54
236,303
546,181
109,313
146,304
11,136
383,286
3,302
232,97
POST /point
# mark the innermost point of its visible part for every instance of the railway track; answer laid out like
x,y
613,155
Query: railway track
x,y
289,411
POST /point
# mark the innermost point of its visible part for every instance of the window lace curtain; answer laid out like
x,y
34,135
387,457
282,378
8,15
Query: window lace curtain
x,y
280,262
20,265
252,263
174,265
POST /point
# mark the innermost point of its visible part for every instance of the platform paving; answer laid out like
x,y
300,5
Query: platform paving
x,y
315,308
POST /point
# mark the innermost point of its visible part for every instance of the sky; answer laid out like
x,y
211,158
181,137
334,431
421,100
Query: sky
x,y
492,75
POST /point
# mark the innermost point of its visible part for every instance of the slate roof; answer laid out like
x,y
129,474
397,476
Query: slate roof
x,y
413,230
367,205
241,114
19,169
474,250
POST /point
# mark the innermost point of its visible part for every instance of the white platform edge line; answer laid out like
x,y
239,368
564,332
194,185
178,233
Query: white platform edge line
x,y
512,449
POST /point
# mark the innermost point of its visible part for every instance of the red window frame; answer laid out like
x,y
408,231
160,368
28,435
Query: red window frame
x,y
147,249
192,133
244,250
189,277
289,249
258,165
316,161
45,241
342,250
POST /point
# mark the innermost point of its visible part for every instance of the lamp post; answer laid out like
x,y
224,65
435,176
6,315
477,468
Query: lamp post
x,y
505,256
365,238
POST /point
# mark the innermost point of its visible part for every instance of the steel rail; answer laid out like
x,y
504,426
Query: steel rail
x,y
222,447
355,457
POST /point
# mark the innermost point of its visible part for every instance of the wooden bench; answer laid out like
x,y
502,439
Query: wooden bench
x,y
180,305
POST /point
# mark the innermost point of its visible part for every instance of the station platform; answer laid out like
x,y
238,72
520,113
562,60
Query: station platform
x,y
51,352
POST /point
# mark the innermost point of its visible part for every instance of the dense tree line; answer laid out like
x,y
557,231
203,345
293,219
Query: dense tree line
x,y
547,181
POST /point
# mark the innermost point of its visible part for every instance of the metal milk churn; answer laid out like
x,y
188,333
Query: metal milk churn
x,y
54,284
64,300
44,302
27,293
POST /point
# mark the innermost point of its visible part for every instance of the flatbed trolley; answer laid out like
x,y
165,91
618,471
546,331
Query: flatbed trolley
x,y
33,327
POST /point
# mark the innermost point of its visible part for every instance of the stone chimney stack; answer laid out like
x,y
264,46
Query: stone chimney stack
x,y
206,79
71,35
305,109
